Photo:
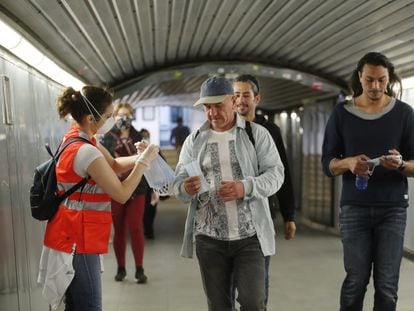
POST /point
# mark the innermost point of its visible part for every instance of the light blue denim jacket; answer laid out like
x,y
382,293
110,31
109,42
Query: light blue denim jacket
x,y
263,176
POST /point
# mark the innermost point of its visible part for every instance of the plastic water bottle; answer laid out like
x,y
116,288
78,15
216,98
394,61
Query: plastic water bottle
x,y
361,182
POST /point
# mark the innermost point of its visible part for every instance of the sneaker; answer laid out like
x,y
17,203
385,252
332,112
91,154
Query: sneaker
x,y
140,276
120,274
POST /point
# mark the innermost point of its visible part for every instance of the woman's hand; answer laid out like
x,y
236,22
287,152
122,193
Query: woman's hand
x,y
148,155
141,145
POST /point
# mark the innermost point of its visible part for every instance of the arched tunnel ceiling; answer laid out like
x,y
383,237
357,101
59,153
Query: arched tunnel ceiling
x,y
280,88
114,42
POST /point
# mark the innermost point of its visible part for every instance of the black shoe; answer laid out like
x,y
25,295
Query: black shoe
x,y
150,235
140,276
120,275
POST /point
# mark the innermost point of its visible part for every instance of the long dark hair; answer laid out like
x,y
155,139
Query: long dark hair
x,y
376,59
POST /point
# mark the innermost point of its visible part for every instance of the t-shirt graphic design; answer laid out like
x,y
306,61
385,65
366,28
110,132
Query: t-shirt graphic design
x,y
214,217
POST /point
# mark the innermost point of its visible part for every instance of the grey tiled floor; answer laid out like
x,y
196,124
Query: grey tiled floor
x,y
306,274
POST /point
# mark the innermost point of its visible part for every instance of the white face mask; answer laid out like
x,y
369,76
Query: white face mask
x,y
109,123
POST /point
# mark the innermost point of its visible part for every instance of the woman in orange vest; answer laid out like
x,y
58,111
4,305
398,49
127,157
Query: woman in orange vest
x,y
79,232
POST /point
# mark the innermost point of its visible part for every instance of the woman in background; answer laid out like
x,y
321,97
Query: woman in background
x,y
127,216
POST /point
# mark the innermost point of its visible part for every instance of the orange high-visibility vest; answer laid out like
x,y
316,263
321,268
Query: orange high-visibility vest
x,y
84,218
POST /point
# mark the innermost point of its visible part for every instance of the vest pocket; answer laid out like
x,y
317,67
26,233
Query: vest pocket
x,y
96,231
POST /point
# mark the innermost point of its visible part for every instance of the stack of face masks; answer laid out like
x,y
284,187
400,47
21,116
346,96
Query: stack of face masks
x,y
160,176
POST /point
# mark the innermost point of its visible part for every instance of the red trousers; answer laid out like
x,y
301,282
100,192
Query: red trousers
x,y
128,217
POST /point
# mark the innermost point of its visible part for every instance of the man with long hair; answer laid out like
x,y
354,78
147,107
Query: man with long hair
x,y
372,137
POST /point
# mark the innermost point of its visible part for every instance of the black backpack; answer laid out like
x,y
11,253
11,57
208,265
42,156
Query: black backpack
x,y
44,199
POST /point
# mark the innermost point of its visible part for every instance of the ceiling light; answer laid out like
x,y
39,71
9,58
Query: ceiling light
x,y
23,49
9,38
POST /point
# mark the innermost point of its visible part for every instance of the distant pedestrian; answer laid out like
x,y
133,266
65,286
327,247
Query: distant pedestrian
x,y
179,134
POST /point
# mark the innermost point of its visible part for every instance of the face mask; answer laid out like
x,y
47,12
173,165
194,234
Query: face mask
x,y
109,123
124,123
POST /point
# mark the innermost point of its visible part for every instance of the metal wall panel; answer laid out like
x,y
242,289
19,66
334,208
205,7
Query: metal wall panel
x,y
22,148
317,189
8,276
291,130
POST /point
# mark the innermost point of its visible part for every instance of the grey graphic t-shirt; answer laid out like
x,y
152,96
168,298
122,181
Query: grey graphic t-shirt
x,y
214,217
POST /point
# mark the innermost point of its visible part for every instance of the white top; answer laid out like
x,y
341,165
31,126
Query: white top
x,y
86,154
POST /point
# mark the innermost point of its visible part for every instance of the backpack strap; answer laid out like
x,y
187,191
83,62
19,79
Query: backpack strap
x,y
248,131
67,143
59,151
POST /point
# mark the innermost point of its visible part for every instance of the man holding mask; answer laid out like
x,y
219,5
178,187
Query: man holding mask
x,y
229,213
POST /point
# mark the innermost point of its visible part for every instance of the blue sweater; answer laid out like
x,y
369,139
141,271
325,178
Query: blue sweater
x,y
349,133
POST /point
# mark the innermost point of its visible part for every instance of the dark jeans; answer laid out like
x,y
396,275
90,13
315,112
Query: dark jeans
x,y
85,290
372,239
224,262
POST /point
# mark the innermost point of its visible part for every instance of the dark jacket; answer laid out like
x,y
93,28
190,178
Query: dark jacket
x,y
122,148
284,198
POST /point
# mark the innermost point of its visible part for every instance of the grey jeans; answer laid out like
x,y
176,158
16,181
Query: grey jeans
x,y
222,262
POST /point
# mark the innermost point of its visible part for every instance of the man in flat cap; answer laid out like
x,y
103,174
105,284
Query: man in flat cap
x,y
227,170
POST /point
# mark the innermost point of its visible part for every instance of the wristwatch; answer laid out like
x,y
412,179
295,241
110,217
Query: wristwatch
x,y
402,166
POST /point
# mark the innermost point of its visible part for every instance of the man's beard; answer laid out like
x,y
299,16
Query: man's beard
x,y
244,111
